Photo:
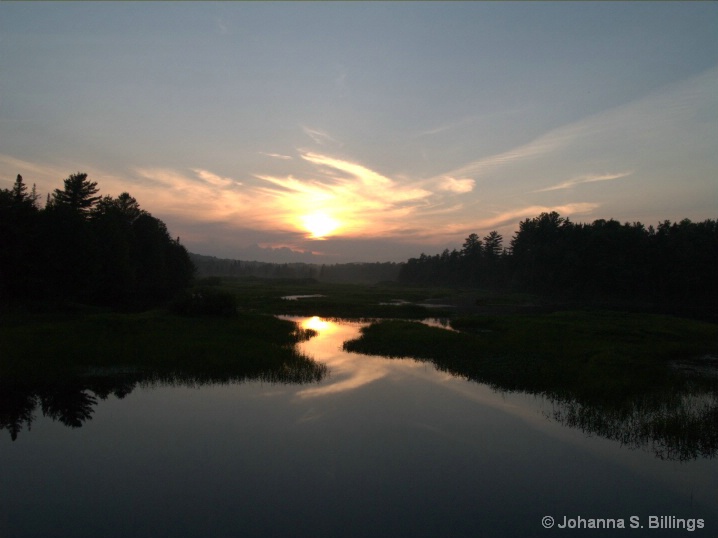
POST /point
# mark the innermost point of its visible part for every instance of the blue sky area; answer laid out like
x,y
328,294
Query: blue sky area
x,y
365,131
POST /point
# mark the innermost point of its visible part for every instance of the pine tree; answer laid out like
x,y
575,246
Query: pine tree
x,y
78,194
19,190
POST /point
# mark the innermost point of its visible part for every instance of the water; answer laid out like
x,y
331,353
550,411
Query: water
x,y
379,447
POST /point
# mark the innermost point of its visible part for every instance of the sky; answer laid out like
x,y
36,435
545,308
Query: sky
x,y
333,132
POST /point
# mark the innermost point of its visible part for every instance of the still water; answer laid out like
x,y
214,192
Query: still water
x,y
379,447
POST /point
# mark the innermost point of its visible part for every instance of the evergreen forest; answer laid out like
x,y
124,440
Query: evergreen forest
x,y
673,266
82,247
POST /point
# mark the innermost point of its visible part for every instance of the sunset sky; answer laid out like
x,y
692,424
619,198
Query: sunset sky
x,y
351,131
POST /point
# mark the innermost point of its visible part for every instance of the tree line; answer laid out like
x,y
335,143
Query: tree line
x,y
87,248
370,272
671,264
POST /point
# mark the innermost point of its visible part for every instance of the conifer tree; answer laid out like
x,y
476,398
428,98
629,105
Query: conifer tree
x,y
78,194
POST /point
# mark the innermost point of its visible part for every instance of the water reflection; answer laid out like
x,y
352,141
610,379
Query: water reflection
x,y
680,427
395,447
670,413
71,399
675,419
347,373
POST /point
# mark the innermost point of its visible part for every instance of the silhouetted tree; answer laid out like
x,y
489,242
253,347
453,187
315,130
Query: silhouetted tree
x,y
671,266
162,265
78,193
85,247
492,244
18,233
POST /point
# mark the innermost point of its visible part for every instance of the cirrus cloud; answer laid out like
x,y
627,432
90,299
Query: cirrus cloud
x,y
591,178
456,185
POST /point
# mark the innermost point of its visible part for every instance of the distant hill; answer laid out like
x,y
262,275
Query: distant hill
x,y
340,272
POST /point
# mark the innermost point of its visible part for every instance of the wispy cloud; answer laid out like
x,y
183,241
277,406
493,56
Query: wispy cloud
x,y
362,200
447,126
276,156
539,147
456,185
592,178
46,177
203,196
654,120
510,216
214,179
320,137
374,184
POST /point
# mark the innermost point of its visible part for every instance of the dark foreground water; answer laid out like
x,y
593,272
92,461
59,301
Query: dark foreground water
x,y
378,448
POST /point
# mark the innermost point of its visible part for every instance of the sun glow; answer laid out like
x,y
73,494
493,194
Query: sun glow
x,y
319,224
316,324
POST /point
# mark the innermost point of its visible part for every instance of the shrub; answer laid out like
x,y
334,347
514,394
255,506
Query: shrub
x,y
205,302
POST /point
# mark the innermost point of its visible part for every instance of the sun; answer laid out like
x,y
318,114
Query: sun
x,y
319,224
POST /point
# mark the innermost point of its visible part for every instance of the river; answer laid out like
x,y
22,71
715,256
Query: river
x,y
379,447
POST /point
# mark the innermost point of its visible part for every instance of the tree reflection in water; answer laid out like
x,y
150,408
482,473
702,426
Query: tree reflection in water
x,y
71,400
682,427
676,419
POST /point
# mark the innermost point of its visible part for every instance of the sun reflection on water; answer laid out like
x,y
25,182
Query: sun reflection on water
x,y
316,324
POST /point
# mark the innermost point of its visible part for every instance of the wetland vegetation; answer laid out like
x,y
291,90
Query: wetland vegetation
x,y
621,375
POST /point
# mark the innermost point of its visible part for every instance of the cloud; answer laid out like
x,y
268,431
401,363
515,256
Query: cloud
x,y
23,167
276,156
585,179
377,185
452,125
539,147
201,196
656,120
368,204
364,201
512,215
320,137
456,185
214,179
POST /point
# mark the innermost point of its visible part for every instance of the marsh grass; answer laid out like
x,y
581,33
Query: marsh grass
x,y
608,373
336,300
590,352
244,345
65,365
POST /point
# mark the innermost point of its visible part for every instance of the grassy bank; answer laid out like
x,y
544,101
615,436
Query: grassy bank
x,y
50,340
588,352
607,373
245,346
381,300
